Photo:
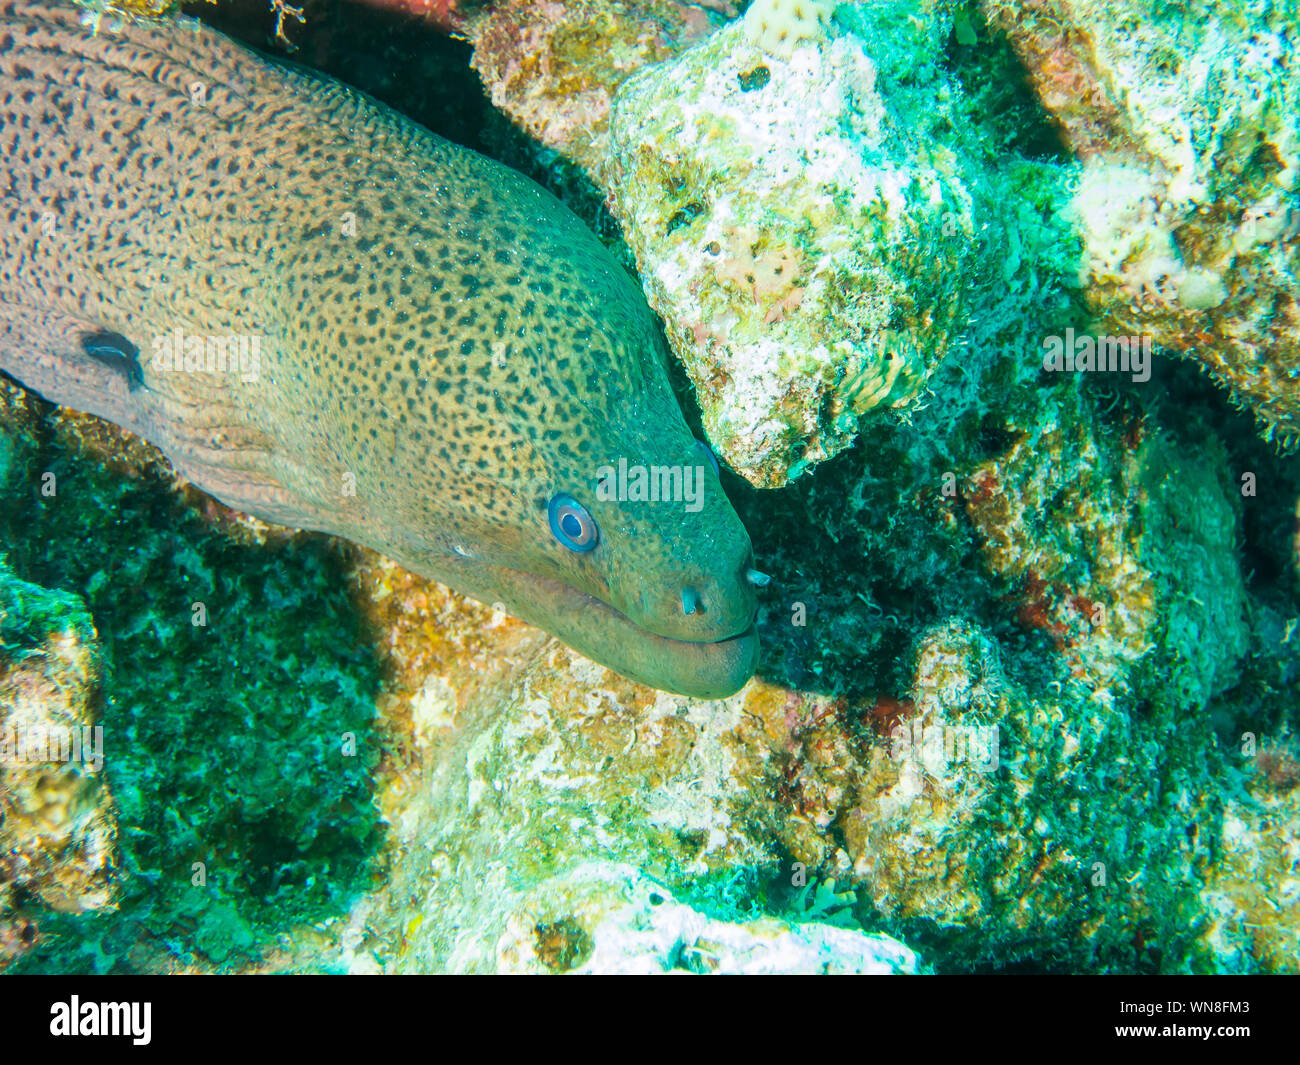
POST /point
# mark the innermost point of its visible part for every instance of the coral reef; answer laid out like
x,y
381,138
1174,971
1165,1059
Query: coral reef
x,y
1031,651
1185,120
577,763
58,824
1253,895
555,67
780,26
810,256
236,699
1040,782
1119,548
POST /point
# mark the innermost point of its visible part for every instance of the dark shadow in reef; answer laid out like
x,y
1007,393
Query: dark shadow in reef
x,y
398,58
226,741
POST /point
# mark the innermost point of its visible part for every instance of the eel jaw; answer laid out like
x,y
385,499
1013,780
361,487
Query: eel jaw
x,y
705,670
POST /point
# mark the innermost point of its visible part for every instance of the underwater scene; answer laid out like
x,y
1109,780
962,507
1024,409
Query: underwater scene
x,y
639,486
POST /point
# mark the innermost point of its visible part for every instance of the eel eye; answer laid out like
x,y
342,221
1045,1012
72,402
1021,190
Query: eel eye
x,y
571,523
708,454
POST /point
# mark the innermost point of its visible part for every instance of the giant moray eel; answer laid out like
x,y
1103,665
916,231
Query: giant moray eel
x,y
448,357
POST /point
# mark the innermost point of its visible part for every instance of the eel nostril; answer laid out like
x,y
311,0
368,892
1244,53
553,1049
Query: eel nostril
x,y
756,578
690,600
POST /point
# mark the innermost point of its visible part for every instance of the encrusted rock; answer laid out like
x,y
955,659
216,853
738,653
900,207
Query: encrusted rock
x,y
809,255
1187,122
554,67
58,823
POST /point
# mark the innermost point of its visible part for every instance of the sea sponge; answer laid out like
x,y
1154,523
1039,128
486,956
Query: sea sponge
x,y
780,26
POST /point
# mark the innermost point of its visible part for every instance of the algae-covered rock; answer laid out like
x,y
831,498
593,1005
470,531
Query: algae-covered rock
x,y
58,821
586,824
1062,570
1252,897
809,254
820,210
1120,546
1187,120
611,919
235,698
554,67
984,831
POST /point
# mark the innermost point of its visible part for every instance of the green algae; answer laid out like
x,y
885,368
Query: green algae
x,y
29,612
225,742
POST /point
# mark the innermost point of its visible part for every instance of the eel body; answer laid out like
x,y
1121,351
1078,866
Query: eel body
x,y
332,319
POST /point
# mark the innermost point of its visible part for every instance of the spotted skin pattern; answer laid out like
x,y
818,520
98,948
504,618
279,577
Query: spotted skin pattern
x,y
442,346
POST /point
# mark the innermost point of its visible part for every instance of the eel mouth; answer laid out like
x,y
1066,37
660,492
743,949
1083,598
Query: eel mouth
x,y
711,669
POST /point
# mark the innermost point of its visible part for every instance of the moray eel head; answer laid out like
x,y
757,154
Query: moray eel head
x,y
659,555
540,459
451,368
635,558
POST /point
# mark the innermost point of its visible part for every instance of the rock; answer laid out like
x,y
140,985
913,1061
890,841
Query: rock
x,y
820,219
58,820
780,26
1252,895
559,818
1120,549
1188,203
611,919
554,67
810,256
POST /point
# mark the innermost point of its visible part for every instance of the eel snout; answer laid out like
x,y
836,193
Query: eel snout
x,y
703,668
699,605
